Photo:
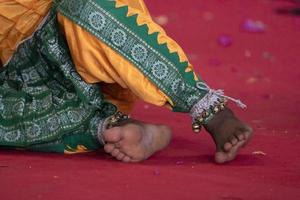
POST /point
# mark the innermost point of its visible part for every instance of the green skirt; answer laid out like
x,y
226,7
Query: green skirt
x,y
44,103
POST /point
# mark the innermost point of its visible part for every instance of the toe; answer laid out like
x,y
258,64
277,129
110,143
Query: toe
x,y
244,133
115,152
120,156
248,135
233,141
227,146
234,151
220,157
240,135
126,159
108,148
247,131
112,135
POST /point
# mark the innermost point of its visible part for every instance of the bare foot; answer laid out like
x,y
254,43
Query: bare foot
x,y
136,141
229,134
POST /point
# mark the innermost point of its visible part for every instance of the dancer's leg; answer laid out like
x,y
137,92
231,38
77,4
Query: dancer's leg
x,y
113,42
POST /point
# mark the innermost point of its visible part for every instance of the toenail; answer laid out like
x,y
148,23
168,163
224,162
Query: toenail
x,y
234,141
126,159
227,146
241,137
120,156
115,152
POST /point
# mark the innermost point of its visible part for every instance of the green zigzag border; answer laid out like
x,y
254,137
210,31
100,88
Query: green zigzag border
x,y
184,99
151,39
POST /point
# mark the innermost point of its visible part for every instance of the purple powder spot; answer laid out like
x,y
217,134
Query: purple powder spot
x,y
146,106
266,96
225,40
156,172
252,26
180,162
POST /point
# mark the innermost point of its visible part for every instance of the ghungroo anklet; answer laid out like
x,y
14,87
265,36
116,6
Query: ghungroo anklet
x,y
115,120
212,103
207,115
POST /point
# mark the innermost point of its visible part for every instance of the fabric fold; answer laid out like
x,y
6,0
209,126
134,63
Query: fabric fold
x,y
118,32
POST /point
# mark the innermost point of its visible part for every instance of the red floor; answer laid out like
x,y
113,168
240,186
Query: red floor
x,y
263,69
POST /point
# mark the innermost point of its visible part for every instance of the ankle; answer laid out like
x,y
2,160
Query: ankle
x,y
219,119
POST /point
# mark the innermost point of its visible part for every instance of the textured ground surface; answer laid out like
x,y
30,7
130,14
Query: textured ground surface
x,y
263,69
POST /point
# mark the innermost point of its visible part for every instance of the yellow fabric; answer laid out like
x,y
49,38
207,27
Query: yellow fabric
x,y
135,4
97,62
18,20
124,99
79,149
